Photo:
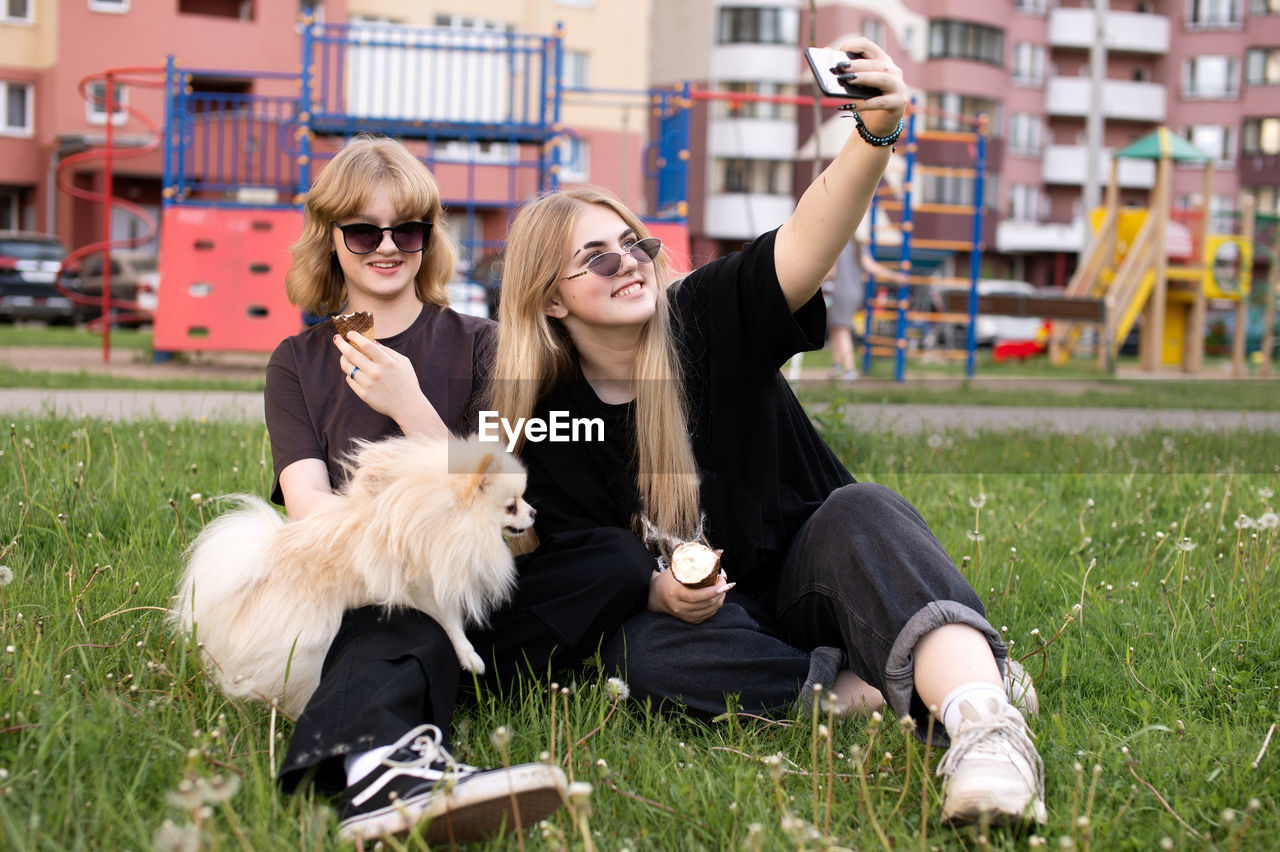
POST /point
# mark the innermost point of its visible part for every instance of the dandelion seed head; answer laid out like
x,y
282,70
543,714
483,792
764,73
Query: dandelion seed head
x,y
979,501
500,737
1186,545
6,575
1269,521
974,535
618,688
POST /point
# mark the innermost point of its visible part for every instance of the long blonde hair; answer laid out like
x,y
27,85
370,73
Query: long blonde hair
x,y
535,355
366,164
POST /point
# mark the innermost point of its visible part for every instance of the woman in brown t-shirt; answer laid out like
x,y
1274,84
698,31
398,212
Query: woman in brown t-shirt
x,y
377,727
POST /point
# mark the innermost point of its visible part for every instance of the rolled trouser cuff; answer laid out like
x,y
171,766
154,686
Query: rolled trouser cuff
x,y
900,670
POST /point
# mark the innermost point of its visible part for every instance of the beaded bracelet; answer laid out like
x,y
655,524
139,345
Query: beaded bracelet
x,y
869,137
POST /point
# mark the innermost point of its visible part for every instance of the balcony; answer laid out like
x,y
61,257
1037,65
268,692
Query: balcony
x,y
1126,32
1121,99
776,63
752,138
1015,236
1064,164
743,216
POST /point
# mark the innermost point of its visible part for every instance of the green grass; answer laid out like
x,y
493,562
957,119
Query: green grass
x,y
1156,663
85,380
15,334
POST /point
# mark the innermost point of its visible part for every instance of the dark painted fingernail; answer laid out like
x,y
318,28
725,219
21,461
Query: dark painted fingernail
x,y
839,66
845,78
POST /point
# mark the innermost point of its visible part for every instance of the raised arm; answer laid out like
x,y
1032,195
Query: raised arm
x,y
826,216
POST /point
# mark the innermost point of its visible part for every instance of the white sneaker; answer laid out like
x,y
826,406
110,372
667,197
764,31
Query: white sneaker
x,y
1021,689
992,770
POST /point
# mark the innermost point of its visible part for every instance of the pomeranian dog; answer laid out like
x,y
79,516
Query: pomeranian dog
x,y
420,524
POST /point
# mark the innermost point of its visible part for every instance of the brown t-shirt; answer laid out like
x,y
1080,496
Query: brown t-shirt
x,y
311,413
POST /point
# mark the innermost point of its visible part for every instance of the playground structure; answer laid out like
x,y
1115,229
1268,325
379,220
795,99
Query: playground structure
x,y
1126,267
486,110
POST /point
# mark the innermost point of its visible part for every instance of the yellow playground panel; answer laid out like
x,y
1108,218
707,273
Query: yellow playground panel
x,y
1144,262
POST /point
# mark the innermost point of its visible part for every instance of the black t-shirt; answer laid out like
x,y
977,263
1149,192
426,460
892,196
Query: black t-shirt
x,y
311,412
764,468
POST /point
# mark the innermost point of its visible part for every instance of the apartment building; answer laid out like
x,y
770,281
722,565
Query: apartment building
x,y
51,46
1210,69
254,47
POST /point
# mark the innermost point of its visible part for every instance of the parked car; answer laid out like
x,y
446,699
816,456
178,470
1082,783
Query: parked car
x,y
28,267
135,279
991,328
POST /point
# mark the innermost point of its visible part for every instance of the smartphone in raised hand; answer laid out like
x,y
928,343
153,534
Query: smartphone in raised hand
x,y
823,61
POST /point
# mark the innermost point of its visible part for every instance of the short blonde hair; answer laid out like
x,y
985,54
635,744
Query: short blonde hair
x,y
366,164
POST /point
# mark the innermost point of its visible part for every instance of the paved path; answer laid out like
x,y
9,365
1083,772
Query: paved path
x,y
228,405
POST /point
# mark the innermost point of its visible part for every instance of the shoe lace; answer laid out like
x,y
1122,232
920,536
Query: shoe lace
x,y
996,736
425,742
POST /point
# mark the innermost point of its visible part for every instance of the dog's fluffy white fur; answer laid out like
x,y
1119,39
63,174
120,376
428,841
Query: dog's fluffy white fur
x,y
419,524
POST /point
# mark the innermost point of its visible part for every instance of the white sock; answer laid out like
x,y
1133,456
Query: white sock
x,y
360,765
972,692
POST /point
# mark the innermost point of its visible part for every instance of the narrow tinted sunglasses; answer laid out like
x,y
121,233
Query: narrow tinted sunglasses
x,y
363,238
607,264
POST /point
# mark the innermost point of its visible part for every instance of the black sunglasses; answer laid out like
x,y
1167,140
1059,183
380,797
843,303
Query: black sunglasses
x,y
363,238
607,264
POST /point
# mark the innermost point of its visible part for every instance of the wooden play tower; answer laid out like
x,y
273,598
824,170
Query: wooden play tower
x,y
1127,265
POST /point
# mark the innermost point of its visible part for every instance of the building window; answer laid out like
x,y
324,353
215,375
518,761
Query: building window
x,y
1260,136
952,111
1026,202
1026,133
873,28
758,25
753,177
9,211
965,40
1213,14
118,7
1266,199
18,103
575,66
1028,63
1262,66
1210,77
240,10
575,160
1264,7
96,108
1030,7
1215,139
15,11
947,188
730,108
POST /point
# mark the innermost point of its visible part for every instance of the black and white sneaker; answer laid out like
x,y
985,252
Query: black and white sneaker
x,y
420,782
